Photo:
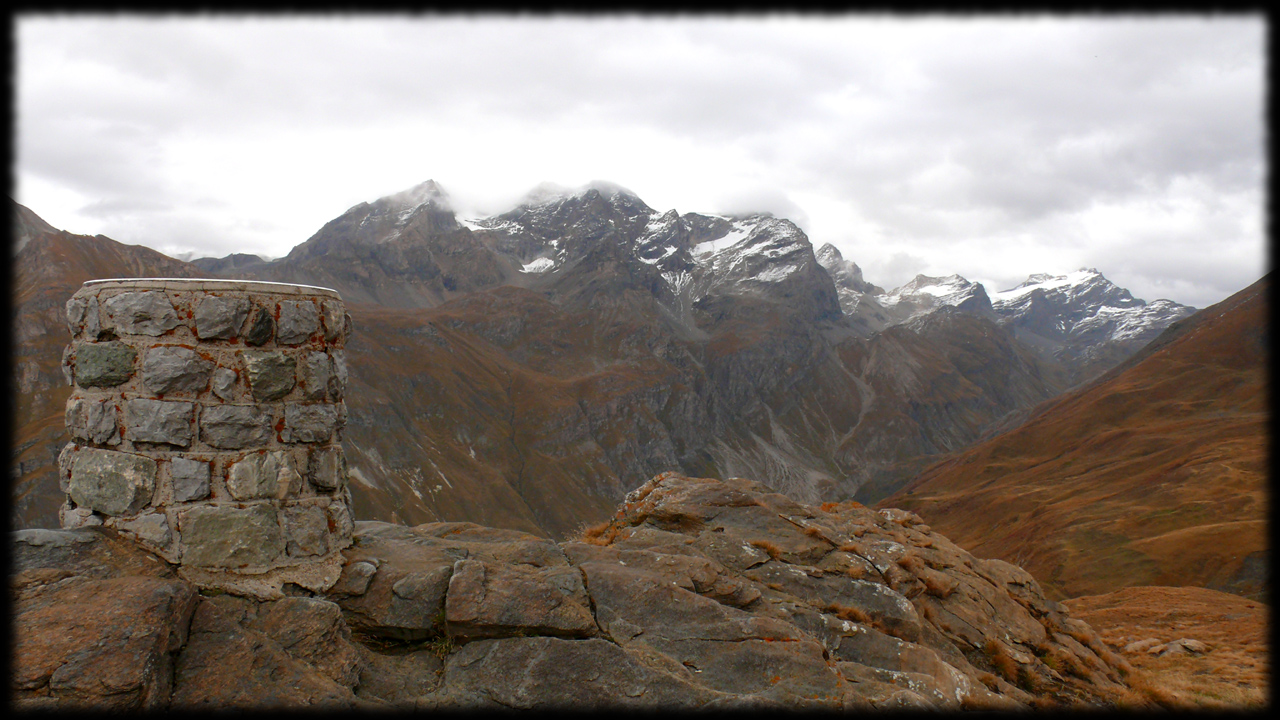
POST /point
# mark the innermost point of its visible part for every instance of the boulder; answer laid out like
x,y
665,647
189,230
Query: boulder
x,y
96,622
556,673
495,600
226,666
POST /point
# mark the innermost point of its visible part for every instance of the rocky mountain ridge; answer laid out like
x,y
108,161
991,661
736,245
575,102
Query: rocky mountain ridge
x,y
698,593
527,370
539,406
1080,320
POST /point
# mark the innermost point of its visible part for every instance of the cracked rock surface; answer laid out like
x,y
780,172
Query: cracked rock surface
x,y
699,593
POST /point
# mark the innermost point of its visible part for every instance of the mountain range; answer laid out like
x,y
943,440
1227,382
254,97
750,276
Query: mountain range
x,y
527,369
1154,473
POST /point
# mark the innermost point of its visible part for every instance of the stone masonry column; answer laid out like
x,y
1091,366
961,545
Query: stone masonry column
x,y
206,421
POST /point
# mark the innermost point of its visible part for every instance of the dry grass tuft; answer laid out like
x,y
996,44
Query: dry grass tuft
x,y
1001,660
1155,692
602,534
814,532
774,551
910,563
857,572
852,614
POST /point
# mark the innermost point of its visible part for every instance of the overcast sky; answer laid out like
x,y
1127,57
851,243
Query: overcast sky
x,y
993,148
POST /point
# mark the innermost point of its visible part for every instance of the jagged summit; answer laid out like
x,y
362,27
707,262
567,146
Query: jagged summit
x,y
549,192
926,293
425,192
1073,283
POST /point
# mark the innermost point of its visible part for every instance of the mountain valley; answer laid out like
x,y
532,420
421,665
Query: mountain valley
x,y
594,378
528,369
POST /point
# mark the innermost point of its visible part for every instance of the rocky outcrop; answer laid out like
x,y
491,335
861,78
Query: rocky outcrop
x,y
698,593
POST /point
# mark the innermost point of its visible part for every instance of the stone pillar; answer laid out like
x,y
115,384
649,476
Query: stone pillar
x,y
206,421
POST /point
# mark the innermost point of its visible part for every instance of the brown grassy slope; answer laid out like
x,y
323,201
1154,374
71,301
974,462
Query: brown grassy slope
x,y
1155,474
1233,673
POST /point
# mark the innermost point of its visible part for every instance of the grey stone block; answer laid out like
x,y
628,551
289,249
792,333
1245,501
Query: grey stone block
x,y
261,326
298,320
68,365
70,518
231,427
82,315
75,313
110,482
142,313
152,528
306,530
271,374
103,364
190,479
264,475
159,421
230,537
340,513
332,314
313,374
224,383
220,317
309,423
172,368
338,380
328,469
93,420
66,457
92,319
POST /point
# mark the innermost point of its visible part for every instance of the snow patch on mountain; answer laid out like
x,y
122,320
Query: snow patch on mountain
x,y
738,232
776,273
538,265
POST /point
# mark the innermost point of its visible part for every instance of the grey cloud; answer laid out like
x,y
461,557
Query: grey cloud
x,y
933,131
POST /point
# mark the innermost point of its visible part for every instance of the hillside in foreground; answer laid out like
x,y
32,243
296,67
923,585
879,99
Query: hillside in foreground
x,y
697,593
1154,474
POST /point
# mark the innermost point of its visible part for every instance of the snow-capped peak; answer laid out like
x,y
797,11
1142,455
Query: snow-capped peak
x,y
1047,282
949,290
425,192
549,192
1082,306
